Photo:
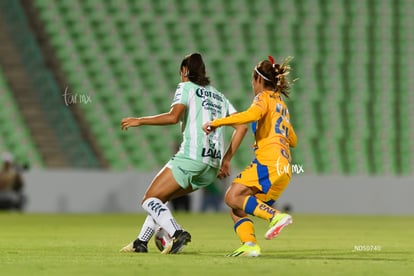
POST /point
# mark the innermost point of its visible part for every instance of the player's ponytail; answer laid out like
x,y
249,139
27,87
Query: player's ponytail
x,y
275,75
196,69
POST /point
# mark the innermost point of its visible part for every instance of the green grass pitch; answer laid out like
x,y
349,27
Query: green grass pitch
x,y
65,244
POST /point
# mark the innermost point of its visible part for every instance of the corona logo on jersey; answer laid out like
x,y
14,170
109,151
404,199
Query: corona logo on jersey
x,y
208,104
203,93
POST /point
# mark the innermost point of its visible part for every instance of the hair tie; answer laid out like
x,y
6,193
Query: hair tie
x,y
258,72
272,61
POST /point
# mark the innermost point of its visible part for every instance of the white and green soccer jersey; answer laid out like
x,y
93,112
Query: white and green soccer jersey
x,y
203,104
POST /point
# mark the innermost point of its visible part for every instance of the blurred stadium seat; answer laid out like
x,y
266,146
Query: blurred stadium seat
x,y
45,87
347,111
15,137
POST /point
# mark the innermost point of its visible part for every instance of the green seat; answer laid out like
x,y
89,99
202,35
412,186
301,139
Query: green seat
x,y
120,51
15,136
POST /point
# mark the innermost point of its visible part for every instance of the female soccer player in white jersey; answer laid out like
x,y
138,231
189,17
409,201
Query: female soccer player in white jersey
x,y
200,158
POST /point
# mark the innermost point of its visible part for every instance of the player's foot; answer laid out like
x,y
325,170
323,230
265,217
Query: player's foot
x,y
135,246
276,225
180,239
246,250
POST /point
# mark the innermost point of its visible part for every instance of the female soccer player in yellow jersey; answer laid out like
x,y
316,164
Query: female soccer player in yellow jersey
x,y
199,160
256,188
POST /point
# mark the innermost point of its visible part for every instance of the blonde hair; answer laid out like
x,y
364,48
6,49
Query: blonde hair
x,y
275,75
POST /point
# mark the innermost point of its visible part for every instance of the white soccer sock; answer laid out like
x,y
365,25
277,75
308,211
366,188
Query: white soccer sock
x,y
148,229
161,215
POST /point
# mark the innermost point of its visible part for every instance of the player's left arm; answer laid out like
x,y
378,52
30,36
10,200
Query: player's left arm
x,y
169,118
293,139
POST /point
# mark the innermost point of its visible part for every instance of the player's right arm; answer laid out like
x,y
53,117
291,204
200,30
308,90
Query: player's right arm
x,y
169,118
236,139
254,113
178,107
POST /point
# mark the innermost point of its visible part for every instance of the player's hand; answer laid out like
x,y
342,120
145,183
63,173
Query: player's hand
x,y
208,128
129,122
224,170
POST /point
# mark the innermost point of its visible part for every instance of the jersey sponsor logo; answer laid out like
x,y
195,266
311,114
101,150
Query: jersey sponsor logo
x,y
215,109
210,104
211,101
204,93
210,152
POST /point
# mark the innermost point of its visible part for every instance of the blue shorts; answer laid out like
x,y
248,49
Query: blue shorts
x,y
188,172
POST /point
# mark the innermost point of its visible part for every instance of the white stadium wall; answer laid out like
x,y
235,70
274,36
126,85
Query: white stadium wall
x,y
69,191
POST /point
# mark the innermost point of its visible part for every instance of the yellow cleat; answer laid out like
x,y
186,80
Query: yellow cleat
x,y
276,225
246,250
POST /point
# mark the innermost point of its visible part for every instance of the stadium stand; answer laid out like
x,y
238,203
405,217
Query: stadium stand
x,y
48,94
351,106
15,137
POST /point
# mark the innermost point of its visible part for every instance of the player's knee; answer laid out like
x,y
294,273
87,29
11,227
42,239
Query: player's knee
x,y
229,198
236,195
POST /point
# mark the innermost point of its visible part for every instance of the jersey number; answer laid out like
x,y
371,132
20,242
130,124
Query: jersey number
x,y
280,127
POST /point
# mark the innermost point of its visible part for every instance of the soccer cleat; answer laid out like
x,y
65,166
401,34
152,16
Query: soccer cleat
x,y
246,250
277,223
135,246
180,240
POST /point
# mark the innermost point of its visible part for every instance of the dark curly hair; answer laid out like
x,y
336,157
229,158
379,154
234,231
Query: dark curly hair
x,y
196,69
